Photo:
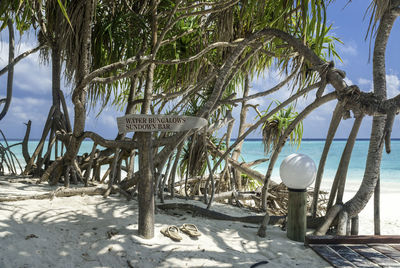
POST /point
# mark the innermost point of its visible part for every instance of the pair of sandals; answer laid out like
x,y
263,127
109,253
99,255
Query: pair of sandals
x,y
173,232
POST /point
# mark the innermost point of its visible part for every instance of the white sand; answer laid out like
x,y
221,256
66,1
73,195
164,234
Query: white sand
x,y
389,209
73,232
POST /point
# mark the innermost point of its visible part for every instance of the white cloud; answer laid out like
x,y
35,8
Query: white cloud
x,y
343,63
365,85
28,108
363,81
348,81
23,109
349,48
109,120
392,85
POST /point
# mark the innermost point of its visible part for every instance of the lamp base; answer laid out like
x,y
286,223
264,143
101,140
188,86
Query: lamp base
x,y
297,218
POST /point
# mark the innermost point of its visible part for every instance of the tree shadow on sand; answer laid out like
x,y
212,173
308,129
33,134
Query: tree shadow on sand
x,y
90,231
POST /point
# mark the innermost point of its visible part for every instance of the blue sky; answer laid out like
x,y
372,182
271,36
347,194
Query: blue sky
x,y
32,81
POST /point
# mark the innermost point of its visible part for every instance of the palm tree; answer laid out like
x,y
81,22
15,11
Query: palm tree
x,y
382,19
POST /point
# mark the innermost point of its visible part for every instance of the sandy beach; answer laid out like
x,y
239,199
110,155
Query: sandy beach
x,y
90,231
390,199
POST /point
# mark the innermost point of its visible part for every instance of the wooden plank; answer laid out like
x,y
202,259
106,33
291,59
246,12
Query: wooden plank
x,y
331,256
395,246
375,256
352,256
388,251
352,239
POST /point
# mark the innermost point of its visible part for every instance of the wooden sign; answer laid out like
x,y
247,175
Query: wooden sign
x,y
149,123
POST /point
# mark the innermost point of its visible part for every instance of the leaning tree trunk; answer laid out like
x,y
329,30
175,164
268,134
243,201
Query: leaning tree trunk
x,y
10,77
335,121
339,181
372,170
242,128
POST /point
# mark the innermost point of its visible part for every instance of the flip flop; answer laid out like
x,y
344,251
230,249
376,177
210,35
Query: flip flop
x,y
190,229
172,232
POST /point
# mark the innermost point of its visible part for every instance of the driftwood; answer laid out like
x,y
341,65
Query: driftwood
x,y
59,192
277,197
199,211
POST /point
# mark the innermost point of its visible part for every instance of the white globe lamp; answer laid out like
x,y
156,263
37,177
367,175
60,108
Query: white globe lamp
x,y
297,172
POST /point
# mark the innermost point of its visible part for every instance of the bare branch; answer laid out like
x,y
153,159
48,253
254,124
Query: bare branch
x,y
265,118
20,57
122,144
264,93
167,28
198,55
110,79
173,39
117,65
145,62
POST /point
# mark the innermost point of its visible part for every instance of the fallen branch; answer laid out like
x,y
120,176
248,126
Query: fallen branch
x,y
273,220
59,192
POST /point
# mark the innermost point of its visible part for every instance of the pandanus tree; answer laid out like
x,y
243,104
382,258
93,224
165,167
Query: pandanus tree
x,y
45,20
13,14
50,20
163,71
157,56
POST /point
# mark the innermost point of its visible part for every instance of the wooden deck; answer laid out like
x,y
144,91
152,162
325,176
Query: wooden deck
x,y
357,251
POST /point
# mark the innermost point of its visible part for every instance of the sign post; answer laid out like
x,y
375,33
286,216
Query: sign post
x,y
151,123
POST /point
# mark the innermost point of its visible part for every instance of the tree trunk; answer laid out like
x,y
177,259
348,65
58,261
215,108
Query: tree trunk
x,y
372,169
377,211
341,173
345,159
146,192
10,76
146,183
242,128
79,95
25,151
335,121
56,74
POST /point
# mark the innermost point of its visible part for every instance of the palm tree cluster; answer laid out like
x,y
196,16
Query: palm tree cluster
x,y
192,58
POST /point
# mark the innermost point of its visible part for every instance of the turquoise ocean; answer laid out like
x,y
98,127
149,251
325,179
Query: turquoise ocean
x,y
254,149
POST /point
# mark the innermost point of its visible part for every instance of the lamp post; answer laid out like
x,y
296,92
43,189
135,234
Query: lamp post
x,y
297,172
